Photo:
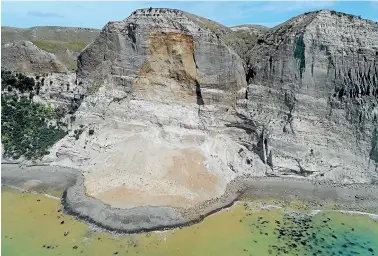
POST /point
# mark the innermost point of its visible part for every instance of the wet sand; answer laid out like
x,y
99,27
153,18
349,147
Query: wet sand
x,y
358,197
38,178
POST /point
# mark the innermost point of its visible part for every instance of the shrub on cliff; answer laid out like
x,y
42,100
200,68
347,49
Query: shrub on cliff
x,y
19,81
27,129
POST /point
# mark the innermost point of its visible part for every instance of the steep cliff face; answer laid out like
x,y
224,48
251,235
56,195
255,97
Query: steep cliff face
x,y
319,49
165,39
167,116
314,82
24,56
160,90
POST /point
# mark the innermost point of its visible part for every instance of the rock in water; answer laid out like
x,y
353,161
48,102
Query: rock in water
x,y
24,56
314,86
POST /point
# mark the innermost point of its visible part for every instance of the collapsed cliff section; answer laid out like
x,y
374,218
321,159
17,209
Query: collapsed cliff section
x,y
152,127
124,48
313,91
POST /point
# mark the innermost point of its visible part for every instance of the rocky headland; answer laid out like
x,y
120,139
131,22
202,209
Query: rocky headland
x,y
172,116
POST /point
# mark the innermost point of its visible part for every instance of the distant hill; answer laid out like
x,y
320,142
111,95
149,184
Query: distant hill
x,y
251,28
64,42
24,56
214,26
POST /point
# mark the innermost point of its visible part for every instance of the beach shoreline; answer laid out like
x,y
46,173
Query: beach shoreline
x,y
75,202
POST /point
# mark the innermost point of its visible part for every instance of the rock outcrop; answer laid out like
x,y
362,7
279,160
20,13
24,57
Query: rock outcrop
x,y
160,91
314,82
161,44
24,56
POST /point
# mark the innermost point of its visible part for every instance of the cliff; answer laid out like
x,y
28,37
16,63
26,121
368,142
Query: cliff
x,y
314,83
160,89
161,44
169,95
162,114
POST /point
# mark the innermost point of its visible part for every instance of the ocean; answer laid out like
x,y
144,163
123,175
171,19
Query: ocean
x,y
33,224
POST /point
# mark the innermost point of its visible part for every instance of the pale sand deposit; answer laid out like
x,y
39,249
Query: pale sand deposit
x,y
146,173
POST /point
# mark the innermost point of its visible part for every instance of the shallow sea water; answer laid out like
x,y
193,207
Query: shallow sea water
x,y
34,225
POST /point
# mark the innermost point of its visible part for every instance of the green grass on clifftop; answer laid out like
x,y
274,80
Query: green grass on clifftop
x,y
64,42
76,45
50,46
59,49
56,46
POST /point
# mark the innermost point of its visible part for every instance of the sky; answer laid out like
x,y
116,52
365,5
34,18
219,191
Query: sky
x,y
95,14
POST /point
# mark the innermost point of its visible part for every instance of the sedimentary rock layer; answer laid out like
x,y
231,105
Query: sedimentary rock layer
x,y
313,86
168,40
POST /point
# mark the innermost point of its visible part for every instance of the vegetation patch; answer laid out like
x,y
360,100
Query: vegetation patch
x,y
78,132
76,45
58,46
28,129
50,46
299,54
59,49
374,146
208,24
18,81
241,41
5,32
94,88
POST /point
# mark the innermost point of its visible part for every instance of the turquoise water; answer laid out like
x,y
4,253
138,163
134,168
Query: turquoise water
x,y
34,225
328,233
